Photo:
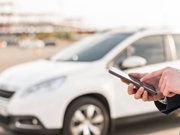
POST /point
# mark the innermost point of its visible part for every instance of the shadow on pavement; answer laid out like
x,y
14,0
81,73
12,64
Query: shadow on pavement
x,y
150,126
146,127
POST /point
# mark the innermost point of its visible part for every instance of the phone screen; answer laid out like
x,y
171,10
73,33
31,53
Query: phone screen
x,y
131,79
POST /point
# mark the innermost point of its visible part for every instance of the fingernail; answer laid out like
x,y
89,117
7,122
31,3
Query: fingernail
x,y
141,79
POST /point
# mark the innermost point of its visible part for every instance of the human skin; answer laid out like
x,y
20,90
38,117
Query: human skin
x,y
141,93
169,80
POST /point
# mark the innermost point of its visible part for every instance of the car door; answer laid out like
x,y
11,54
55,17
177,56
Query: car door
x,y
155,50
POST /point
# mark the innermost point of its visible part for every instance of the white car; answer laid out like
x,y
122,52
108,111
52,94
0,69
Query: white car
x,y
72,93
35,43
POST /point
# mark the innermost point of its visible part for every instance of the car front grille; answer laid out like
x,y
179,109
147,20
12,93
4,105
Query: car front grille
x,y
6,94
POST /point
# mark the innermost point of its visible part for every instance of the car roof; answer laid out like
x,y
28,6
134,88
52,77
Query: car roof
x,y
139,30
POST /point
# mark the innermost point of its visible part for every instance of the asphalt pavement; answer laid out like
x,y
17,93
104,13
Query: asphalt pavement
x,y
165,125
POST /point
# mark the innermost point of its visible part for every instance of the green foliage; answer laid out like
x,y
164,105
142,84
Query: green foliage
x,y
64,35
44,35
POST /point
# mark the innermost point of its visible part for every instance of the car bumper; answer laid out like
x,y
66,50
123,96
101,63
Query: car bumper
x,y
26,125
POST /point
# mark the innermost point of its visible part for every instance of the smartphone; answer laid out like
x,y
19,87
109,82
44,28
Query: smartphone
x,y
130,79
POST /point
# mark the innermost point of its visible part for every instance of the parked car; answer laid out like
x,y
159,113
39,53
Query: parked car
x,y
72,93
35,43
50,42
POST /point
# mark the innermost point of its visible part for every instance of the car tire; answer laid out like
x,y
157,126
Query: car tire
x,y
86,116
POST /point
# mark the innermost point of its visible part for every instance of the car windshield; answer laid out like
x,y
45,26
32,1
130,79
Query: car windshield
x,y
91,48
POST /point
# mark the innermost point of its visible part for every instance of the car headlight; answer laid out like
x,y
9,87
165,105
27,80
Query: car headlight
x,y
44,87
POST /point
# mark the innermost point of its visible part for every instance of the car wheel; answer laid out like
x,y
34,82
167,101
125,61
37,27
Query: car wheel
x,y
86,116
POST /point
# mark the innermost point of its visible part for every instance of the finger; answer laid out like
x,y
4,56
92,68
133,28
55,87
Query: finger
x,y
145,96
154,74
162,84
166,93
124,81
131,90
139,93
137,75
171,94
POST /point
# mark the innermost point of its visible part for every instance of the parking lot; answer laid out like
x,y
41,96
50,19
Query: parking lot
x,y
164,125
167,125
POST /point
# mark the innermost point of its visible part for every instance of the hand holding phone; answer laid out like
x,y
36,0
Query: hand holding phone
x,y
130,79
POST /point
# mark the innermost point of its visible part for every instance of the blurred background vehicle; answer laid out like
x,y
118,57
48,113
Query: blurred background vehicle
x,y
50,42
32,43
75,86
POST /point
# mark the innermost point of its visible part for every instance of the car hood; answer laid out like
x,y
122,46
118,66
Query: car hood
x,y
38,71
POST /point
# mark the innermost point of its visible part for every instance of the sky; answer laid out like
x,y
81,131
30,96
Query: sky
x,y
110,13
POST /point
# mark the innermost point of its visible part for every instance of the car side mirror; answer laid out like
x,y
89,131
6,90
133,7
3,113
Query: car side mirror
x,y
133,61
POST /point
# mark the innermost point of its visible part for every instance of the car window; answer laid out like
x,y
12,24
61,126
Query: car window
x,y
92,49
177,43
151,48
119,59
